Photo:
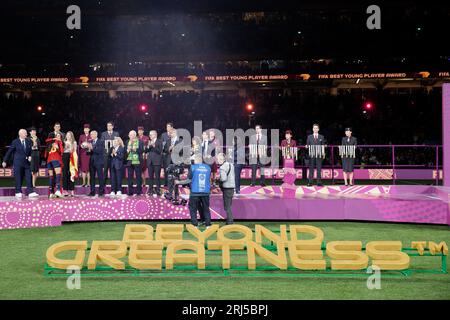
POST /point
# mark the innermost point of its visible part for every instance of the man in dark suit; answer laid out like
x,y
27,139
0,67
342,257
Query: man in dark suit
x,y
165,140
96,163
108,137
56,130
258,154
20,148
314,143
154,161
171,143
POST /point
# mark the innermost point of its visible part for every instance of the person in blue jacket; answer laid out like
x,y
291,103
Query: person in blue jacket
x,y
199,174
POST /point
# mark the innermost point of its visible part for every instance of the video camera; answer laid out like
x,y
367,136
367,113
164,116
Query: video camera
x,y
174,172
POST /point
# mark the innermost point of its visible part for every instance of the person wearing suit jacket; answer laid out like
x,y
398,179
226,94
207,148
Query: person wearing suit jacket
x,y
20,148
237,155
108,137
165,140
171,143
56,131
348,160
117,154
135,149
96,163
315,161
258,154
154,161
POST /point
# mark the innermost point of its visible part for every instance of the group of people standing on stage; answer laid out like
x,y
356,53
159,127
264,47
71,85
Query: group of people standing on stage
x,y
99,157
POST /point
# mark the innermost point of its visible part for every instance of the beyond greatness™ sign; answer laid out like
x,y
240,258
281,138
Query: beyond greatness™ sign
x,y
144,249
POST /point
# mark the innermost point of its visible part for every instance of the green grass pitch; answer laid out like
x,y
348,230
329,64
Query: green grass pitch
x,y
23,258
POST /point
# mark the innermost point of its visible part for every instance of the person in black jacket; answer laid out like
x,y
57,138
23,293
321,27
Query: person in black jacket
x,y
348,156
165,140
96,150
154,161
20,150
315,143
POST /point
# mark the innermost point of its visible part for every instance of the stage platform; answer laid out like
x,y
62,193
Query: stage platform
x,y
412,204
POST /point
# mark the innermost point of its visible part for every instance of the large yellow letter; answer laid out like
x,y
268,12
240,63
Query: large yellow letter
x,y
173,257
306,256
55,249
222,235
387,255
137,232
347,255
202,235
316,232
168,233
226,247
146,254
261,231
279,260
107,252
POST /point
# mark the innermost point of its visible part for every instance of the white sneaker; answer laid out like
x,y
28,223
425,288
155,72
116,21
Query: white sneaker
x,y
119,193
112,193
33,195
59,194
18,195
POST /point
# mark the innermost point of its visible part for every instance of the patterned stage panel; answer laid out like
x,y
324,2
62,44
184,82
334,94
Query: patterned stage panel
x,y
417,204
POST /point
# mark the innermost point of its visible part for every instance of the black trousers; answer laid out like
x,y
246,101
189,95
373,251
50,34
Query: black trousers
x,y
166,161
227,200
261,170
237,176
133,169
116,179
67,183
97,170
19,172
201,204
154,175
315,163
107,168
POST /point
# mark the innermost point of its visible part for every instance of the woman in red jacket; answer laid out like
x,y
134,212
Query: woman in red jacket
x,y
54,152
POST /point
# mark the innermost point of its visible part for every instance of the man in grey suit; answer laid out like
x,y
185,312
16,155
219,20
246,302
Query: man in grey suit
x,y
165,140
258,154
108,137
154,161
314,143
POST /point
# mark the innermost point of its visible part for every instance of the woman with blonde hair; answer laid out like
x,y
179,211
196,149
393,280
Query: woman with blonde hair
x,y
70,163
117,154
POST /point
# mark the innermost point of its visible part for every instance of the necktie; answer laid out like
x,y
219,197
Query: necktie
x,y
23,144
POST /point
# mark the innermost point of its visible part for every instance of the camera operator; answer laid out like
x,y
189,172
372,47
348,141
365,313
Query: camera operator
x,y
174,172
200,175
